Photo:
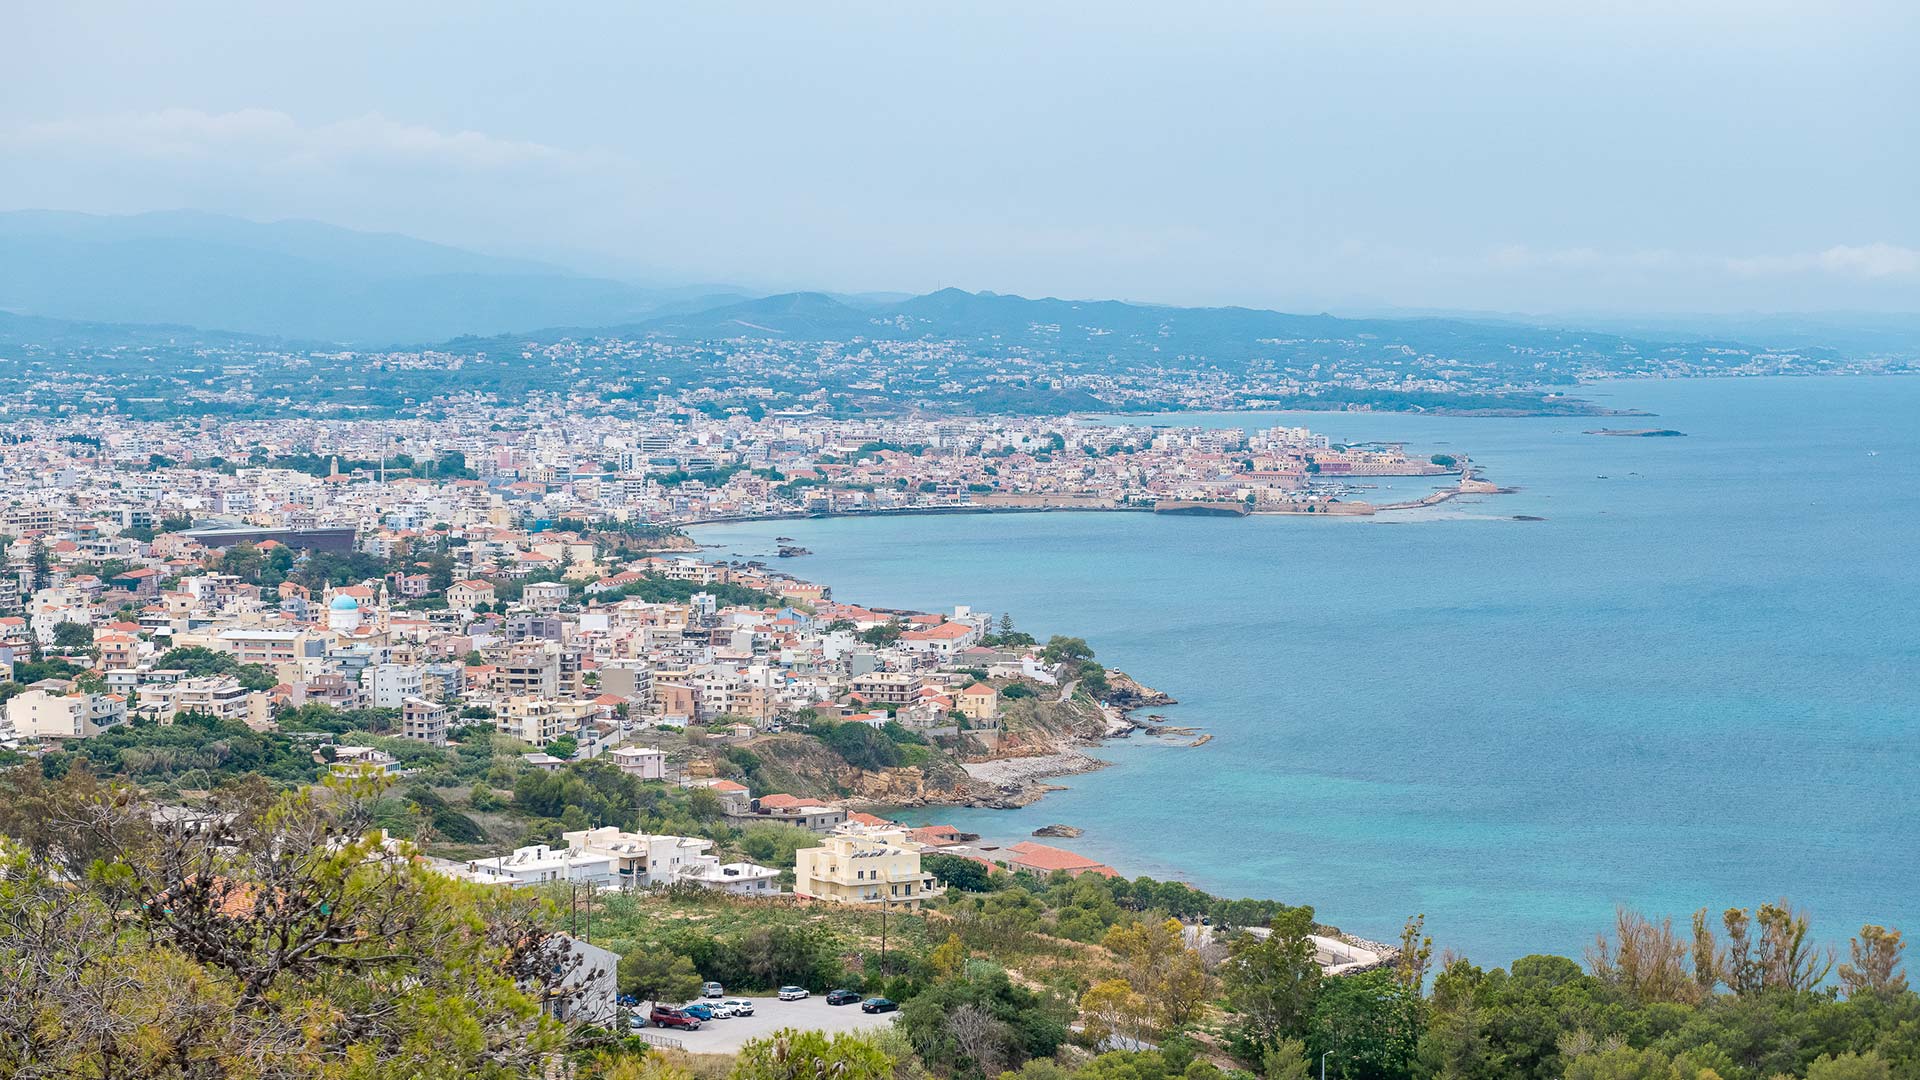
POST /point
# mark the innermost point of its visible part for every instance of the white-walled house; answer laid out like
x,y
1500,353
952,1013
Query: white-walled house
x,y
41,714
641,762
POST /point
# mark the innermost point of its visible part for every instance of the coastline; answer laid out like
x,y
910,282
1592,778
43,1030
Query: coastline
x,y
1467,486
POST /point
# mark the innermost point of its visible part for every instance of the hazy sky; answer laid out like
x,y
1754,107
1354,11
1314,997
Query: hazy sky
x,y
1671,155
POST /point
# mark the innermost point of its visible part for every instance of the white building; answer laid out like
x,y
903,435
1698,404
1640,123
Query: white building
x,y
539,864
215,695
390,685
643,762
641,860
343,615
424,721
40,714
739,878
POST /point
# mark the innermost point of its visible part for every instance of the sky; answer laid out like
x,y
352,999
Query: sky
x,y
1486,155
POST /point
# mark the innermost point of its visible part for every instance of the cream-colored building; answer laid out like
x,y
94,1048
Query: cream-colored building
x,y
39,714
878,868
535,721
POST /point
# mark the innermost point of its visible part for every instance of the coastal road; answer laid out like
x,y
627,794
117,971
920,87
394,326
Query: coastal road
x,y
1067,690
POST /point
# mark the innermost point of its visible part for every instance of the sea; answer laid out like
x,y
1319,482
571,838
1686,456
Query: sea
x,y
1693,683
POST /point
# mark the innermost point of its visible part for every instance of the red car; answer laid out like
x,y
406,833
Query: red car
x,y
670,1017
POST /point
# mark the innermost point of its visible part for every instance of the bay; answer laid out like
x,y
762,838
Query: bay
x,y
1693,684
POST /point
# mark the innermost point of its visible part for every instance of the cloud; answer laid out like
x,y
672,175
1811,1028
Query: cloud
x,y
265,137
1869,261
1849,260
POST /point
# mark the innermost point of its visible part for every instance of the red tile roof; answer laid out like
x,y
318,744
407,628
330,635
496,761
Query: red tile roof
x,y
1044,859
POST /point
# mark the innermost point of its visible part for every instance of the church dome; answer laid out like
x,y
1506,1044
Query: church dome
x,y
343,602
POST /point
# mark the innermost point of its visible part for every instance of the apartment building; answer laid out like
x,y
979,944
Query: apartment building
x,y
424,721
880,869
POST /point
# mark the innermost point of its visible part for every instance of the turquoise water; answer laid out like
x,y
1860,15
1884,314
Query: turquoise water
x,y
1692,685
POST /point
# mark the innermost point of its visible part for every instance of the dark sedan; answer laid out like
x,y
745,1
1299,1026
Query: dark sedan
x,y
879,1005
842,997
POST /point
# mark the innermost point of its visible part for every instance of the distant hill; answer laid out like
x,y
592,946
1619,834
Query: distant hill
x,y
1125,335
295,279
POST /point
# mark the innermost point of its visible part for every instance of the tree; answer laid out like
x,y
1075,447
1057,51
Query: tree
x,y
1370,1024
655,975
1272,982
72,635
1112,1008
1850,1066
1162,969
1416,949
1287,1060
705,806
1066,650
1874,966
1645,958
949,959
960,873
1781,959
774,844
790,1054
284,943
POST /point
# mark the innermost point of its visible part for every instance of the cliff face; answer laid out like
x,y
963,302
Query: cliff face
x,y
1039,725
801,765
1125,693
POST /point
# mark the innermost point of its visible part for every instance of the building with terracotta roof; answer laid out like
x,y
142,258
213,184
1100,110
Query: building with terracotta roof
x,y
1043,860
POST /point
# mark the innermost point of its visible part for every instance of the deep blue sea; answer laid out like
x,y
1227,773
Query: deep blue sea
x,y
1695,684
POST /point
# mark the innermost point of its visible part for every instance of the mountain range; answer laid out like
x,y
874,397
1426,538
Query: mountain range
x,y
299,280
75,277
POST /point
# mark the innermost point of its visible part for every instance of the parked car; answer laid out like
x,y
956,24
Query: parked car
x,y
697,1010
792,993
842,996
740,1006
720,1009
712,990
667,1016
878,1005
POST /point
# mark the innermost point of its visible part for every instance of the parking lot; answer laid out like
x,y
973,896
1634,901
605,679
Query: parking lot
x,y
770,1015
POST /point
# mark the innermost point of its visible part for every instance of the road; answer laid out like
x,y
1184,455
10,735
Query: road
x,y
769,1016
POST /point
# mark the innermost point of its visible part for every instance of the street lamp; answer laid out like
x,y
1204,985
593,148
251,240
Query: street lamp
x,y
1323,1064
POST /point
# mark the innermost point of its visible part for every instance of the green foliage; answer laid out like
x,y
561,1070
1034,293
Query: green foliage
x,y
1272,983
983,1023
660,590
657,975
861,746
775,844
196,750
598,790
1370,1025
224,949
71,635
960,873
791,1054
198,662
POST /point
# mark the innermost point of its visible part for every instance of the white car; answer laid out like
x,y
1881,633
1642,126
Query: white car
x,y
740,1006
792,993
720,1009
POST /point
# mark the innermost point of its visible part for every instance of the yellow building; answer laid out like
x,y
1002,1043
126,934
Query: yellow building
x,y
979,702
878,868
